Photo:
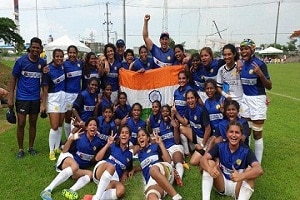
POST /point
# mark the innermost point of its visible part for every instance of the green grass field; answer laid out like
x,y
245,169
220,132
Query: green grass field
x,y
26,178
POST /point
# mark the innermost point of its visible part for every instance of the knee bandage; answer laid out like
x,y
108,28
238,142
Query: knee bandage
x,y
154,192
257,127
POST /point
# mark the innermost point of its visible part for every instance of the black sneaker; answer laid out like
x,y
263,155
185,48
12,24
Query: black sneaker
x,y
32,151
20,154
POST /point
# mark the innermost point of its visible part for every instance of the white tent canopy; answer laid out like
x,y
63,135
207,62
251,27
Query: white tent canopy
x,y
63,43
271,51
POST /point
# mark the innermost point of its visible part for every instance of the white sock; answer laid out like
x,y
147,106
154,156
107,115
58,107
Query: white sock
x,y
184,142
60,178
81,182
245,191
67,127
207,184
52,136
102,185
110,194
58,138
180,170
177,197
259,148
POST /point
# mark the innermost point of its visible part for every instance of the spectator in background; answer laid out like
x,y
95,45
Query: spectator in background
x,y
26,80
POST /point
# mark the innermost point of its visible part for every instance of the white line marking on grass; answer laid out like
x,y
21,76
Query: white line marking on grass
x,y
282,95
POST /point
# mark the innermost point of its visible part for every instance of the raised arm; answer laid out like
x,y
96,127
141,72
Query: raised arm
x,y
147,40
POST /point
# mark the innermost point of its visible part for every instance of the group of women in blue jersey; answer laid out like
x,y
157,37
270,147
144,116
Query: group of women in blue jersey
x,y
101,128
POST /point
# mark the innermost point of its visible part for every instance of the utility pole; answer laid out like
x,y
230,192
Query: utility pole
x,y
276,30
124,22
165,17
37,19
107,22
16,14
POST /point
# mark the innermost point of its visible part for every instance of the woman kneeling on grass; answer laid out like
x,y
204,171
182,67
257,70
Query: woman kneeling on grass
x,y
230,166
158,176
109,173
74,160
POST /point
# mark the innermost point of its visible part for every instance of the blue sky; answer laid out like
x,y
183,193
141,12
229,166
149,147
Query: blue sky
x,y
189,21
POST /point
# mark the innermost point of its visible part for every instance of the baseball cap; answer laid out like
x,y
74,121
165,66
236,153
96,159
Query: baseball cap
x,y
164,34
11,116
120,43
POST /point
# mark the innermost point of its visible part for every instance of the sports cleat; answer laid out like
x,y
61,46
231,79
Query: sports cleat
x,y
20,154
46,195
88,197
52,156
32,151
177,178
69,194
186,165
57,151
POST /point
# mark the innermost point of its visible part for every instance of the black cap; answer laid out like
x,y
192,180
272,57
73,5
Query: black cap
x,y
11,116
120,43
164,34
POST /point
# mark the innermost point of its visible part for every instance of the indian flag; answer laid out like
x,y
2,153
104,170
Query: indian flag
x,y
144,88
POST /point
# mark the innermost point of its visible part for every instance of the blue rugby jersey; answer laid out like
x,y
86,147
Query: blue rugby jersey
x,y
139,64
252,85
162,58
198,118
147,157
180,100
85,104
28,76
121,112
213,108
85,150
134,127
73,71
167,133
112,77
55,79
155,121
122,160
211,71
105,129
239,159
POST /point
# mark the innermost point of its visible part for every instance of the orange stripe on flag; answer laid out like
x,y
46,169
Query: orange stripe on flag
x,y
151,79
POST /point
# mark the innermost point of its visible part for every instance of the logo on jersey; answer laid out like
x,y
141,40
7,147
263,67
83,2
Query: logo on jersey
x,y
195,117
238,162
149,150
251,71
94,148
169,57
128,160
212,70
78,65
39,66
202,77
218,106
115,68
155,95
148,64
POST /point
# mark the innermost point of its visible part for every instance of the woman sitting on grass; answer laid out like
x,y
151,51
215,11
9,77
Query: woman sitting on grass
x,y
230,166
158,176
77,155
109,173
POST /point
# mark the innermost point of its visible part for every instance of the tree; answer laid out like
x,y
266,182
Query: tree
x,y
8,32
